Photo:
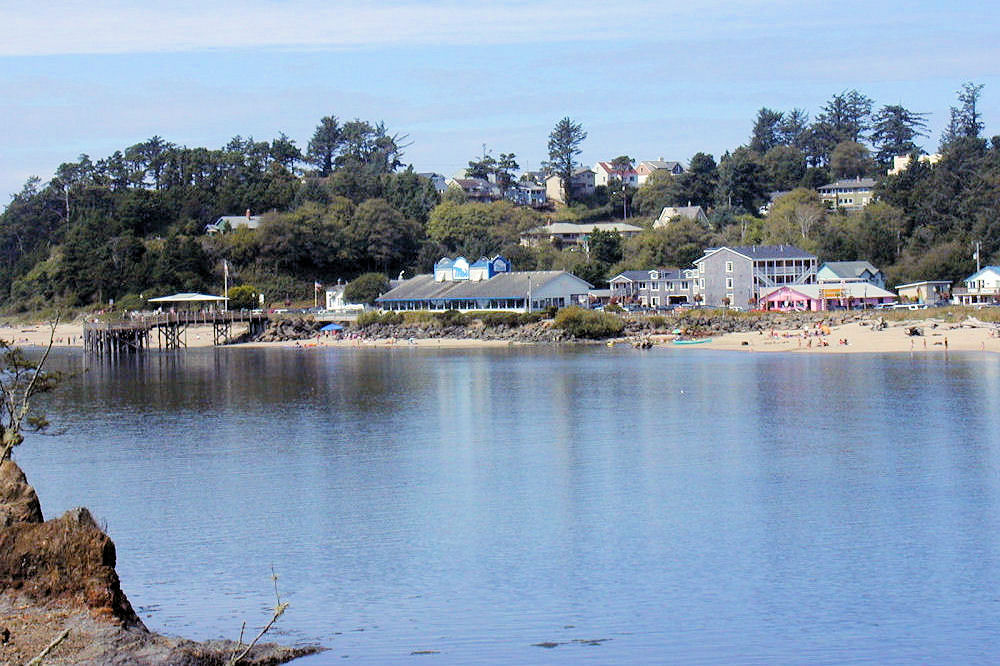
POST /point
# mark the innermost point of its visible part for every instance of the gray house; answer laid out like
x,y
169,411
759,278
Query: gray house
x,y
736,275
657,287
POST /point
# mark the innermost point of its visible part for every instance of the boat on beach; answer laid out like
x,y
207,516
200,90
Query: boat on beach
x,y
695,341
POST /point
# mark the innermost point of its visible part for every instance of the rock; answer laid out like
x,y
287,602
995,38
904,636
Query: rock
x,y
60,574
18,501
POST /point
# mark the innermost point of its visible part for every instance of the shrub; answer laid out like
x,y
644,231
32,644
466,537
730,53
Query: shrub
x,y
375,317
243,297
451,318
582,323
657,321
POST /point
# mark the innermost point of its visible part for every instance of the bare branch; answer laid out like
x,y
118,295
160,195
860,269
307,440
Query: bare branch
x,y
51,646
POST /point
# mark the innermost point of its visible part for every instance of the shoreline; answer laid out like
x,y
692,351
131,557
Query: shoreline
x,y
861,337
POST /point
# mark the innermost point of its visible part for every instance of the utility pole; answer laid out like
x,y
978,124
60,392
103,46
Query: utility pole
x,y
978,247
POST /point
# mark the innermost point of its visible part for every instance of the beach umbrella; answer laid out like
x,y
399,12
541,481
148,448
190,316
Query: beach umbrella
x,y
332,327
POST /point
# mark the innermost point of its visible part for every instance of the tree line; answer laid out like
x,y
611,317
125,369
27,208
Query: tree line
x,y
131,225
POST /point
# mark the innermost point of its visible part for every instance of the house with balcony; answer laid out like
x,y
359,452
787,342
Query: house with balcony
x,y
848,194
476,189
526,193
840,272
983,286
656,287
737,276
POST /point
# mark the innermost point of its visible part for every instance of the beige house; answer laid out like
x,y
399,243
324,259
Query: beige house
x,y
848,194
646,168
901,163
582,185
927,291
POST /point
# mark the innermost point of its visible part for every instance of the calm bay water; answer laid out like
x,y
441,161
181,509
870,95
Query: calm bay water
x,y
674,506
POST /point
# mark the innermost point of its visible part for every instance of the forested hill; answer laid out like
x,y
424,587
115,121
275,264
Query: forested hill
x,y
131,226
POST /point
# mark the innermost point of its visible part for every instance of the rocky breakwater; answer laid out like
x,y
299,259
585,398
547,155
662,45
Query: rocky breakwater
x,y
291,328
707,323
537,332
59,591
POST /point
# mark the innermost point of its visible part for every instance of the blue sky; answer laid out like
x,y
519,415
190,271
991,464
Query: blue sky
x,y
647,79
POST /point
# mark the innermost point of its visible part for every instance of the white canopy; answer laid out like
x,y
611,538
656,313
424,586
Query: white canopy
x,y
188,298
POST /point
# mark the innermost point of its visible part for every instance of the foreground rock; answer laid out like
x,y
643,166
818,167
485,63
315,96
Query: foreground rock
x,y
60,575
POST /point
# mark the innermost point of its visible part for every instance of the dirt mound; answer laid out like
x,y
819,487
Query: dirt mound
x,y
59,576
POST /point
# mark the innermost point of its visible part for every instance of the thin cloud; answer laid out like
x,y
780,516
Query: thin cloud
x,y
64,27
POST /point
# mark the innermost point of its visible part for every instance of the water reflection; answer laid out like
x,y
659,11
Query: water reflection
x,y
692,507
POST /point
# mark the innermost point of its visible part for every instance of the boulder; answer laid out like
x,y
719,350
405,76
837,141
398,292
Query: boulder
x,y
18,501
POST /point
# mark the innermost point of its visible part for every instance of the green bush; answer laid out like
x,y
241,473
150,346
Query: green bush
x,y
657,321
452,318
582,323
243,297
375,317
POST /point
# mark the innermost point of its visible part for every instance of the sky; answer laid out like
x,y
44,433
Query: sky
x,y
648,79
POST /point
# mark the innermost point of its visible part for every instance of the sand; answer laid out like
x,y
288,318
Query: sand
x,y
970,335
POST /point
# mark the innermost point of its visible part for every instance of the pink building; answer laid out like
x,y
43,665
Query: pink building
x,y
821,297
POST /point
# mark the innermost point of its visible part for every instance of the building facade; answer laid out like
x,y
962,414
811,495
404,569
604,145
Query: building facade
x,y
926,291
487,284
581,184
736,276
654,288
850,271
983,286
848,194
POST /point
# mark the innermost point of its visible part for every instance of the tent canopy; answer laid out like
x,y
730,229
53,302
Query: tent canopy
x,y
188,298
332,327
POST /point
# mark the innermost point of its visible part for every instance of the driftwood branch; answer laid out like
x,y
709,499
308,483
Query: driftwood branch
x,y
51,646
278,611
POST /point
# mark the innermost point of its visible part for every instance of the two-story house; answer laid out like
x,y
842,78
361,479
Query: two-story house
x,y
735,276
656,287
848,194
983,286
647,168
581,185
605,172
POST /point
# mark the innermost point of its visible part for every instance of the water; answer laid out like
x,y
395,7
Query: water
x,y
674,506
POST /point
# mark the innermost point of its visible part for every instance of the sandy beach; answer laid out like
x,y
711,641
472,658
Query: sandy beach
x,y
861,338
970,335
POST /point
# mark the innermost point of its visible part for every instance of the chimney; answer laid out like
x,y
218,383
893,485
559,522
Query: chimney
x,y
248,213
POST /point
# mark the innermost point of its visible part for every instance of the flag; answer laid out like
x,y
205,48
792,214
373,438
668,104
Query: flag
x,y
317,286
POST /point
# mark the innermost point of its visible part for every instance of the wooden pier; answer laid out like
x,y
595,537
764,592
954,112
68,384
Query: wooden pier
x,y
133,336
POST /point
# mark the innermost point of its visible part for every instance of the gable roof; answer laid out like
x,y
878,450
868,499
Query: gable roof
x,y
570,228
849,269
761,252
656,165
985,269
815,291
849,183
610,168
502,285
640,276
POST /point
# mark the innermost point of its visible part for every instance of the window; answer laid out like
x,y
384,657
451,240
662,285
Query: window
x,y
729,267
729,283
701,282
